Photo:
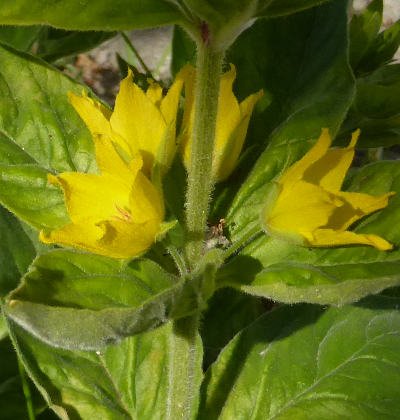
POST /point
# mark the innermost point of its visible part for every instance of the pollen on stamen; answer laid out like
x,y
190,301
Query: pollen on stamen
x,y
124,215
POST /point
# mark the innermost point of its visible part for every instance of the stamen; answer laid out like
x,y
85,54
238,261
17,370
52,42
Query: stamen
x,y
124,215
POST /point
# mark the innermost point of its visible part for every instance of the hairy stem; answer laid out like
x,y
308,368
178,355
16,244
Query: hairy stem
x,y
185,373
209,63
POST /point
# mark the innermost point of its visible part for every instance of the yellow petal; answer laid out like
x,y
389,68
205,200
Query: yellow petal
x,y
225,158
356,206
303,208
297,170
188,114
329,237
330,170
95,115
92,197
115,238
169,109
138,121
84,235
225,161
166,151
169,105
154,92
145,202
229,116
110,161
125,240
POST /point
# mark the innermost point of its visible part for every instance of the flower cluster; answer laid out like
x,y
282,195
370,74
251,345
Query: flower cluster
x,y
120,212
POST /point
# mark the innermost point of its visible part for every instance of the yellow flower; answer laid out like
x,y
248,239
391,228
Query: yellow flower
x,y
307,206
117,213
142,122
231,127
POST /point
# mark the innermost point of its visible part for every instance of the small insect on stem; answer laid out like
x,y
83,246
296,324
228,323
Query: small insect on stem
x,y
215,236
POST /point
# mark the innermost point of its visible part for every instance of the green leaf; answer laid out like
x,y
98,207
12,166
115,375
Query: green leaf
x,y
382,49
376,109
55,43
16,252
273,8
96,300
301,63
378,94
3,326
12,397
174,186
309,363
36,115
50,43
363,30
33,235
228,312
41,134
282,271
309,85
127,381
183,50
11,153
25,191
101,15
19,37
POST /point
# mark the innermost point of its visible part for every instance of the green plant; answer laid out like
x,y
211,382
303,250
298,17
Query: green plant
x,y
215,319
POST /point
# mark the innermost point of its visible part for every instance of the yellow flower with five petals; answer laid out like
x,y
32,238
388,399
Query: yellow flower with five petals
x,y
231,125
117,213
307,207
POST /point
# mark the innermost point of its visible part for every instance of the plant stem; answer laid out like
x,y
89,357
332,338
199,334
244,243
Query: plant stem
x,y
161,61
136,53
209,63
185,373
178,259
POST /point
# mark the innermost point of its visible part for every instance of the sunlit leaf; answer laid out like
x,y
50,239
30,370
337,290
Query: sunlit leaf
x,y
129,381
97,301
101,15
310,363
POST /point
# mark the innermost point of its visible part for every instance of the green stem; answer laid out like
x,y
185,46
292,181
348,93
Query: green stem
x,y
185,373
136,53
178,259
26,390
209,63
166,53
